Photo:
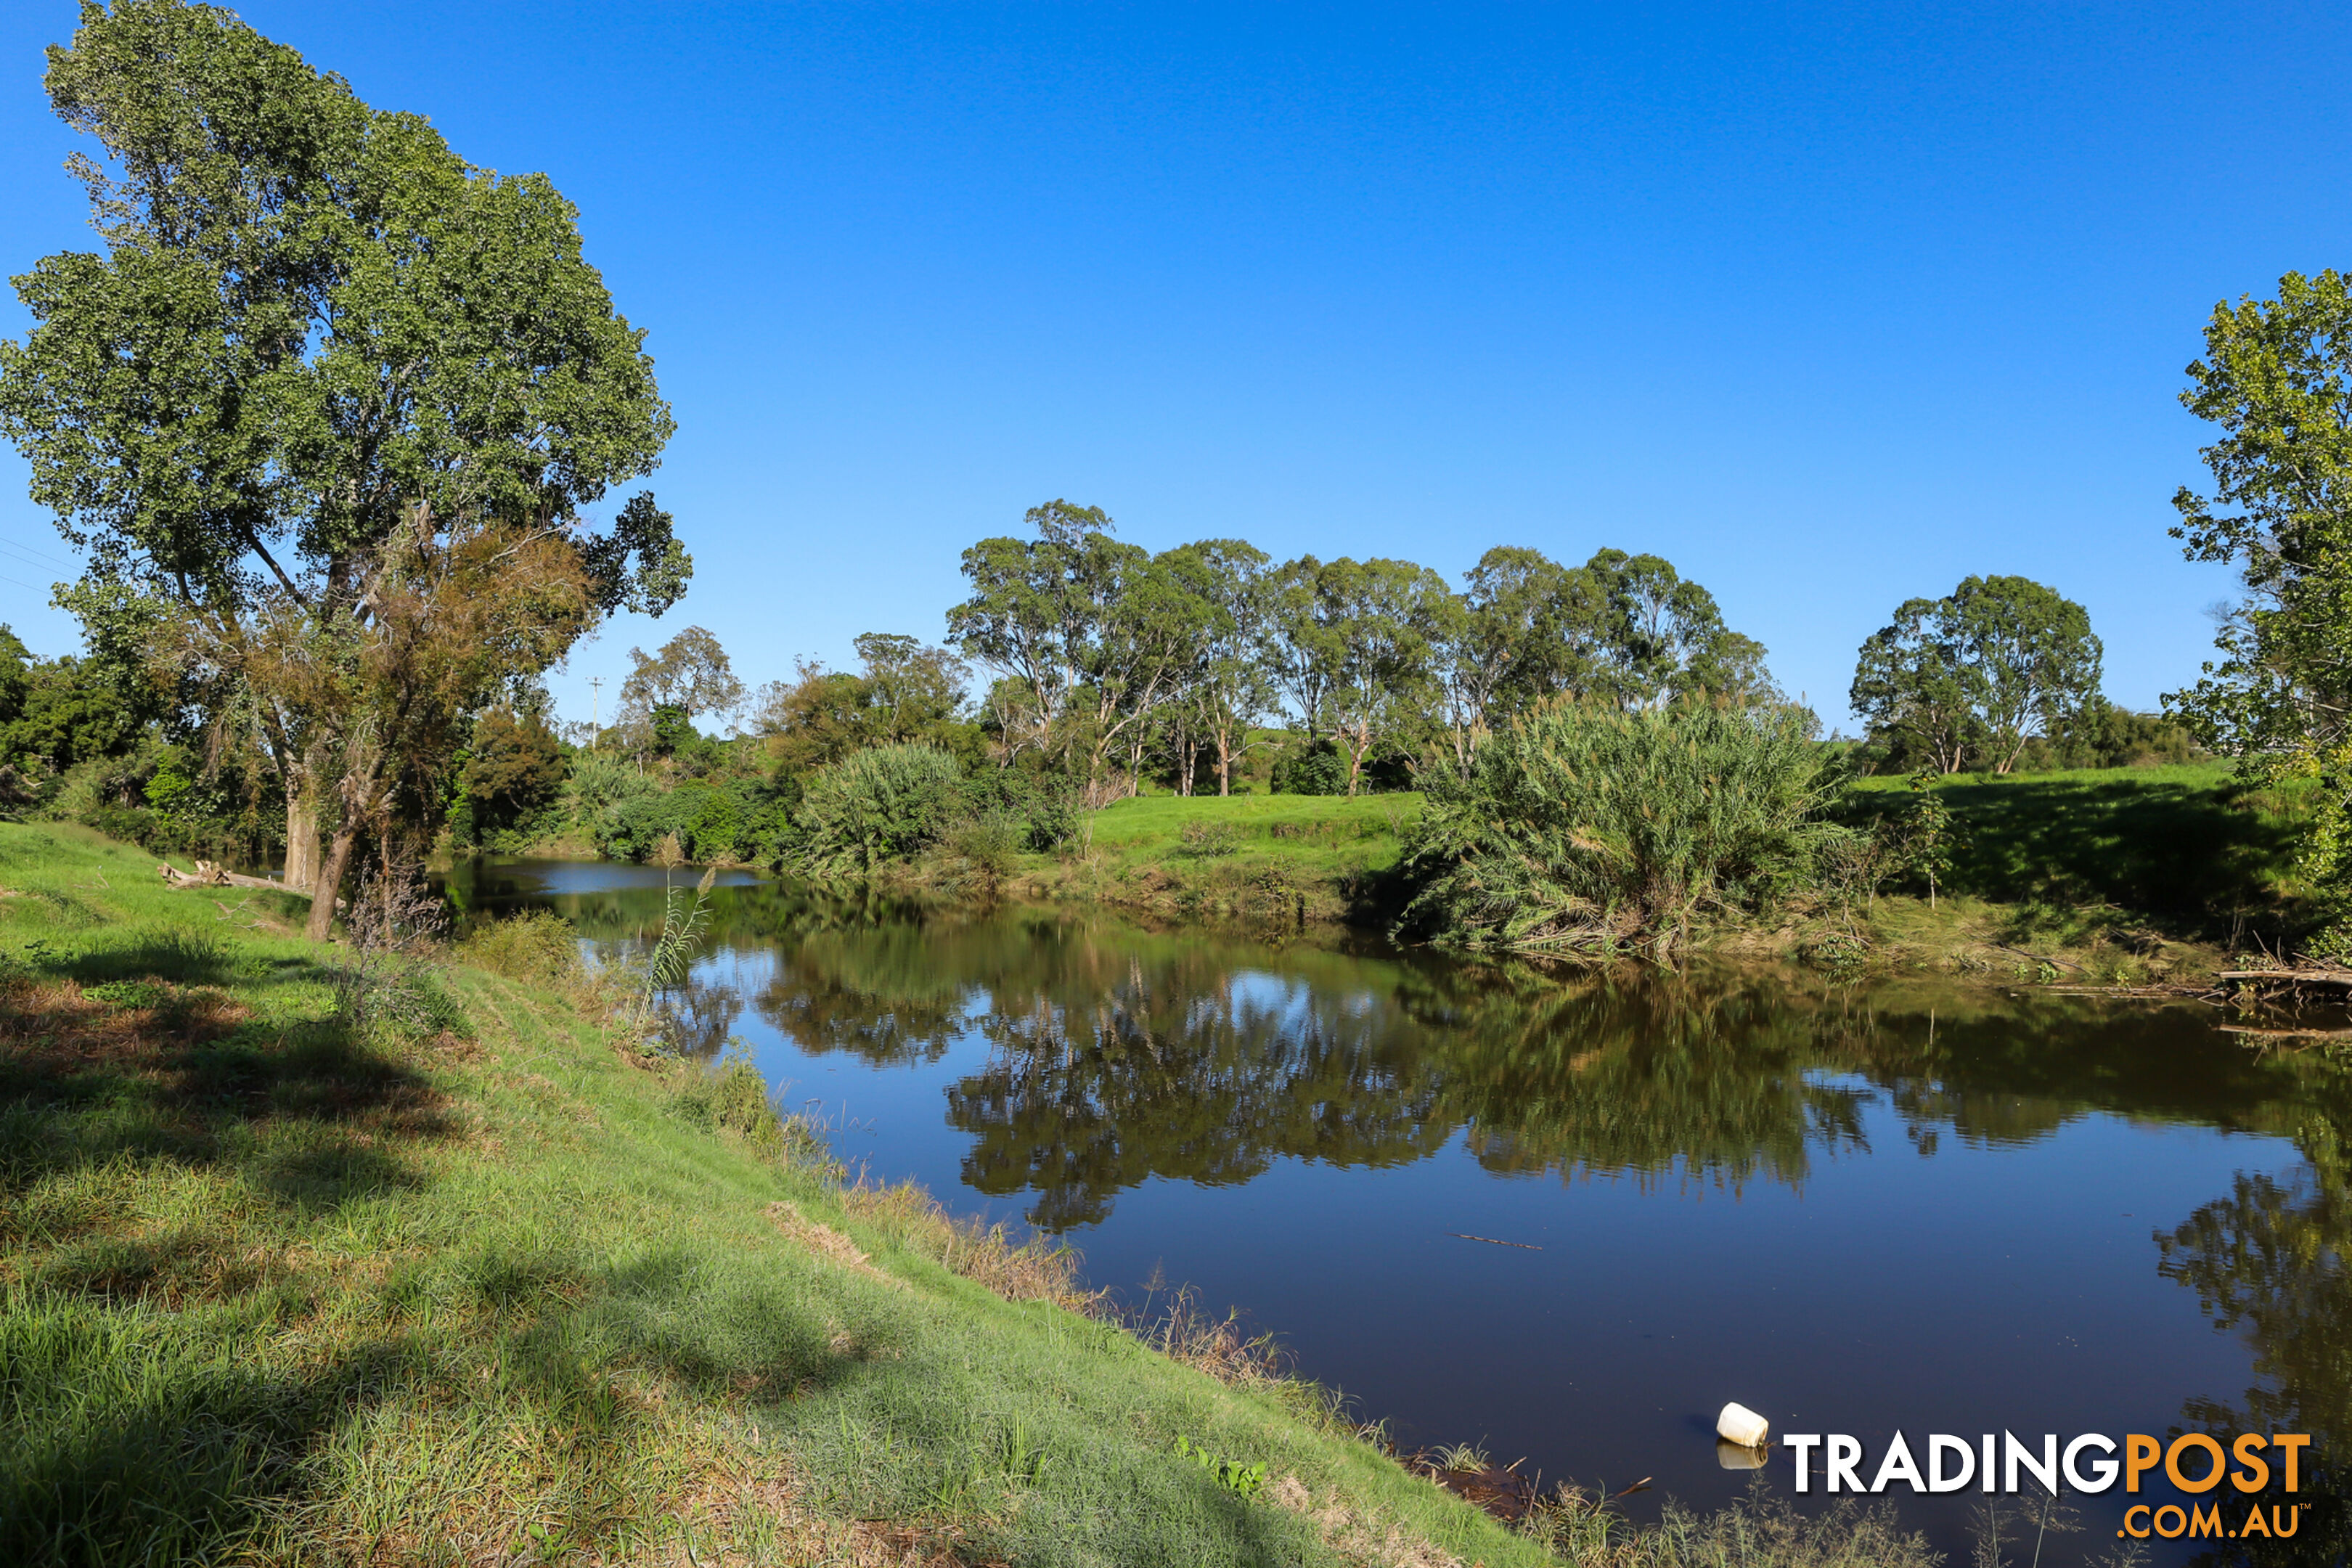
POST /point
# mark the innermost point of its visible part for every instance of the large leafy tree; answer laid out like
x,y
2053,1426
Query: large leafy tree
x,y
1982,670
667,690
322,413
2276,380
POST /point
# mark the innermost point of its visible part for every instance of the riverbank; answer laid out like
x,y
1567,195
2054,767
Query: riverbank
x,y
2110,877
308,1259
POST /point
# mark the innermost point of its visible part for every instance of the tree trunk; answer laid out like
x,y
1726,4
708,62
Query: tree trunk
x,y
301,837
329,883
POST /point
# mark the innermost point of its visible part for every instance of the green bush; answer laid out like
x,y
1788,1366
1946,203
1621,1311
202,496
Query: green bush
x,y
1047,806
990,845
539,946
1582,827
1314,769
874,807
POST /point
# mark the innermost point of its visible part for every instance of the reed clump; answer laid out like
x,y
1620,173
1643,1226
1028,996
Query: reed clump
x,y
1582,828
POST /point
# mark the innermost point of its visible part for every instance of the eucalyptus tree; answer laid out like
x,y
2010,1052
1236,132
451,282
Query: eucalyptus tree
x,y
321,414
1986,669
1094,633
689,676
1511,636
1227,687
1153,648
2277,381
1040,613
1662,637
1358,642
1908,685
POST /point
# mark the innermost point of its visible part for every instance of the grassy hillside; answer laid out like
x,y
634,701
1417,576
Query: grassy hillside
x,y
2185,846
303,1263
1277,856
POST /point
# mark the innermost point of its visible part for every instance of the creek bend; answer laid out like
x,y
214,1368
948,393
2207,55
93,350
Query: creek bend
x,y
1854,1209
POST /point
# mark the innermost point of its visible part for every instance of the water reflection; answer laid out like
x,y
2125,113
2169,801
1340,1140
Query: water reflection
x,y
1075,1063
2269,1262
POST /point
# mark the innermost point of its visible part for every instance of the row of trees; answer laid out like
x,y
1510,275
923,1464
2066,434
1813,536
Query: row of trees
x,y
1103,652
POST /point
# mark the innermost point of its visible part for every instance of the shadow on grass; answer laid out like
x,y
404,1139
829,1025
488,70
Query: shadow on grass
x,y
151,1407
2201,857
130,1435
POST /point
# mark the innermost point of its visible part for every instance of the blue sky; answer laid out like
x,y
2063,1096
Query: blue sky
x,y
1830,306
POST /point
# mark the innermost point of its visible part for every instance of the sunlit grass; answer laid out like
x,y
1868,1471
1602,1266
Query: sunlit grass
x,y
274,1293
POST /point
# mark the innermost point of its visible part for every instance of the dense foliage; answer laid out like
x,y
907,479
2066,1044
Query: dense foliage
x,y
1979,675
1583,826
320,415
2276,378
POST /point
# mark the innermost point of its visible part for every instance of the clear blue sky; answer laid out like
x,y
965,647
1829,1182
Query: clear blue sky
x,y
1830,306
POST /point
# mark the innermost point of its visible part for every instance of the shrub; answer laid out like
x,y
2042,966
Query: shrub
x,y
1315,769
1582,827
540,947
1204,839
1046,807
990,845
385,997
874,807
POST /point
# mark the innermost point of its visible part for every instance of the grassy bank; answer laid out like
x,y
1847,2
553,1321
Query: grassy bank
x,y
1270,856
287,1278
2186,846
2121,875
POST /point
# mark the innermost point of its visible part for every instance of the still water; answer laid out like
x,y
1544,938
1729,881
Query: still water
x,y
1854,1210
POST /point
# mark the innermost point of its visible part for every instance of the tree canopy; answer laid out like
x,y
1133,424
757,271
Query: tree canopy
x,y
322,413
1978,673
2276,380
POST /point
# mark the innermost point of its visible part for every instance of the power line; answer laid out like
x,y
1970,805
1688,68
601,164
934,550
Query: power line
x,y
7,542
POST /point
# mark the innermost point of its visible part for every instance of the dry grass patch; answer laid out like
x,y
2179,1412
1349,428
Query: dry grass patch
x,y
1025,1269
60,1027
826,1242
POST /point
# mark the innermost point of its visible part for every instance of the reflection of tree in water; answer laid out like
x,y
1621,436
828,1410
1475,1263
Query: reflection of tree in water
x,y
702,1015
1113,1073
2272,1261
1624,1072
883,994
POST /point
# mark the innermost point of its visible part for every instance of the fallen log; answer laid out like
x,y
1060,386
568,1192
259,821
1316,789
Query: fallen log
x,y
2341,978
210,874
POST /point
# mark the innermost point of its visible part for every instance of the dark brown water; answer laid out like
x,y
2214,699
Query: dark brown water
x,y
1856,1210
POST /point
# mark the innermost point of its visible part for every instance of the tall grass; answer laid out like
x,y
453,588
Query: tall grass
x,y
1581,827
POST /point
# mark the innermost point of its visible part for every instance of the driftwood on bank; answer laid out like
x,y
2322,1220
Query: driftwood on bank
x,y
209,874
2294,979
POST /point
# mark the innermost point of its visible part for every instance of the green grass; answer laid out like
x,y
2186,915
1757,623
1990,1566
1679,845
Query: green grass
x,y
1286,855
2183,846
276,1289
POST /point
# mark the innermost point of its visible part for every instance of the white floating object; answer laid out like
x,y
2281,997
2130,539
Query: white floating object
x,y
1739,1425
1738,1456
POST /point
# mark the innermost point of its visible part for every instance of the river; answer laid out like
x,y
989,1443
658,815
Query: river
x,y
1565,1217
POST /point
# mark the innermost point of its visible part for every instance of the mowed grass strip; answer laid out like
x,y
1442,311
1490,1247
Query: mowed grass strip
x,y
277,1289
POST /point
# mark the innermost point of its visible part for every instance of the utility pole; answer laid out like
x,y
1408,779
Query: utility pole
x,y
596,708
